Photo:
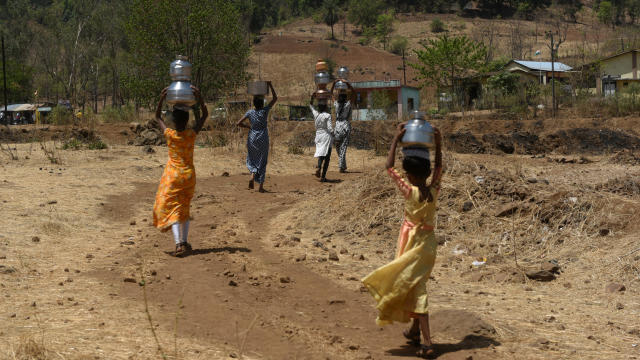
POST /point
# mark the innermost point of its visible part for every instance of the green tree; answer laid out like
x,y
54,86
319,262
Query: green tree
x,y
399,44
384,28
437,26
505,82
364,13
606,13
446,58
209,32
331,13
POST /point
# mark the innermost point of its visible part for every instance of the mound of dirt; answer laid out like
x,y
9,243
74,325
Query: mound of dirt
x,y
572,141
148,133
459,324
464,143
627,186
591,141
626,157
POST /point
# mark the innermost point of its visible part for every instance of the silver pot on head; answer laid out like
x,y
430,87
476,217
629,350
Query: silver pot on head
x,y
179,91
418,131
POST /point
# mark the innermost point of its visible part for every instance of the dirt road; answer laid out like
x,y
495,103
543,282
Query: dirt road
x,y
237,290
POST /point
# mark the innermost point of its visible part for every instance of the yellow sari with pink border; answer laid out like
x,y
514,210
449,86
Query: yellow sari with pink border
x,y
400,287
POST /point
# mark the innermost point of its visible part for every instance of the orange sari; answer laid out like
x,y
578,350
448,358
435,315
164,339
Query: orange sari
x,y
178,181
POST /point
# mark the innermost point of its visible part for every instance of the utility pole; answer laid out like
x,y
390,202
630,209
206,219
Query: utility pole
x,y
553,80
4,78
404,68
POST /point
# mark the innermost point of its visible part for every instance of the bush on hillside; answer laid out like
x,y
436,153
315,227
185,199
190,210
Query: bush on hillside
x,y
437,26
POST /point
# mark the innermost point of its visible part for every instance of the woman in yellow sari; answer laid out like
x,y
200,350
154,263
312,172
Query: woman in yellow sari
x,y
178,182
400,287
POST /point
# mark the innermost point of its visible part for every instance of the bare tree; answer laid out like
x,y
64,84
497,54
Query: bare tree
x,y
557,35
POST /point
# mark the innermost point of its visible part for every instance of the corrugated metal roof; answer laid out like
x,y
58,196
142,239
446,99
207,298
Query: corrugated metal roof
x,y
544,65
376,84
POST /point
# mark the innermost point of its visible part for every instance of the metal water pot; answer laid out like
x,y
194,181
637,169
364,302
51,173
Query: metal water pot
x,y
179,91
341,85
322,78
258,88
343,73
418,131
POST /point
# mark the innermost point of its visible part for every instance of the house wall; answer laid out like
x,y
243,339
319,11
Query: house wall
x,y
404,95
622,66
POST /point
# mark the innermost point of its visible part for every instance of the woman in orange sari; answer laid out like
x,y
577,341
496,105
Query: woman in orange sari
x,y
178,182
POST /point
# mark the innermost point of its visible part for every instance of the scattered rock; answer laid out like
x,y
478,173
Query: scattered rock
x,y
232,283
302,257
148,149
615,287
333,256
132,222
7,269
89,256
476,277
127,242
467,206
361,257
320,245
354,347
604,232
560,327
337,301
343,251
52,202
551,266
225,174
532,180
129,280
508,209
35,239
540,275
285,280
619,306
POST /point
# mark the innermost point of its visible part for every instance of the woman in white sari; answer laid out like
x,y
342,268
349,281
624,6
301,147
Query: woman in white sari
x,y
324,136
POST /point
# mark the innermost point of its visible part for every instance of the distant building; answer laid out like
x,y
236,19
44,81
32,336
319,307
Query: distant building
x,y
538,70
401,99
616,72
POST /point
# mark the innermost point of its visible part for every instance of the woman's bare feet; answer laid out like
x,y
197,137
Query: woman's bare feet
x,y
261,189
318,172
412,334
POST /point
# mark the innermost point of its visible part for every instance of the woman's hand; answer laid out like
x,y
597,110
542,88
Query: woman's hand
x,y
196,93
163,93
401,130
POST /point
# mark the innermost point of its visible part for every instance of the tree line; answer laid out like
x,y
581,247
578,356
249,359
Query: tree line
x,y
118,52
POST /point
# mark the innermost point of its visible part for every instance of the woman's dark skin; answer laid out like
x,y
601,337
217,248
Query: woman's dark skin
x,y
182,126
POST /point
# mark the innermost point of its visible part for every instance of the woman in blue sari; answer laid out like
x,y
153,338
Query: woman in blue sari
x,y
258,139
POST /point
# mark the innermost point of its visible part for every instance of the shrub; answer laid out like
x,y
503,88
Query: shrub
x,y
437,26
122,114
72,144
398,44
97,145
295,149
60,115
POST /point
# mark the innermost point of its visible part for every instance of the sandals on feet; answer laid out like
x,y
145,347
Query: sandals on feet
x,y
187,246
180,250
412,337
318,173
426,352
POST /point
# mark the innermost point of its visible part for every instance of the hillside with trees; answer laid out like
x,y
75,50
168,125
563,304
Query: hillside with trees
x,y
109,54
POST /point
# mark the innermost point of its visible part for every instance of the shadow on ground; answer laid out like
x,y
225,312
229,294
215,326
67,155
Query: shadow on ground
x,y
470,342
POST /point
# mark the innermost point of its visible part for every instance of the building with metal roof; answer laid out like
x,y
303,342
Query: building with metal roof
x,y
401,97
539,70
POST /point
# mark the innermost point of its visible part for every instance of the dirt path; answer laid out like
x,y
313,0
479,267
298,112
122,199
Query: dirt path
x,y
233,289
